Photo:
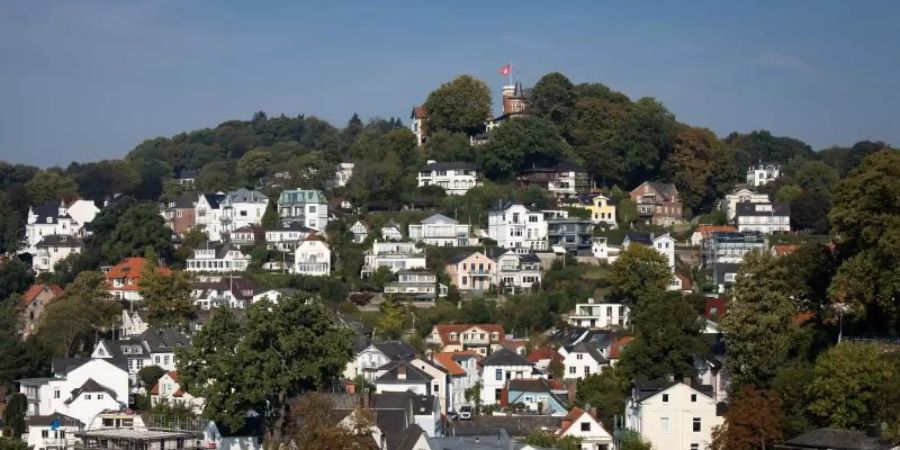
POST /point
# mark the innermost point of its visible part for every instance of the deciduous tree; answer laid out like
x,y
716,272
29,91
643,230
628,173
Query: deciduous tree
x,y
638,271
522,143
461,105
70,323
51,186
167,295
139,228
753,421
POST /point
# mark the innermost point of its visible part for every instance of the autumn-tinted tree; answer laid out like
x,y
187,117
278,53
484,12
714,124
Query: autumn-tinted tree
x,y
693,164
866,227
461,105
853,386
394,319
315,424
758,327
753,421
522,143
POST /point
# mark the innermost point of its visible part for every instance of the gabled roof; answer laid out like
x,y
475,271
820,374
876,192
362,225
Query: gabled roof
x,y
410,437
131,267
60,240
649,389
418,112
438,218
572,417
449,361
237,286
46,421
505,357
244,195
444,330
188,200
161,340
49,210
62,366
214,199
396,350
91,386
590,349
833,438
544,353
36,289
615,350
395,368
639,238
784,249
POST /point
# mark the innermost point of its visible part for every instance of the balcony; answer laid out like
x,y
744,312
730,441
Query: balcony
x,y
311,267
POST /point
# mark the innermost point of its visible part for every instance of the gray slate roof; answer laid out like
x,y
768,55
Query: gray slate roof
x,y
45,421
243,195
413,374
836,439
454,165
749,209
438,218
396,350
505,357
60,240
91,386
49,210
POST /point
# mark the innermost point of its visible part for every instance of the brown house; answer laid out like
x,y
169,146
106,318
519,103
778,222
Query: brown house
x,y
179,214
658,203
32,306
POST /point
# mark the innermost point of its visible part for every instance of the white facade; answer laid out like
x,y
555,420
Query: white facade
x,y
516,227
580,363
44,436
762,174
132,323
360,232
742,195
313,258
590,431
82,212
675,418
46,220
391,232
79,390
342,174
220,213
765,218
441,231
515,272
287,238
500,367
599,315
168,391
221,259
604,251
416,284
663,244
396,256
53,249
455,178
308,207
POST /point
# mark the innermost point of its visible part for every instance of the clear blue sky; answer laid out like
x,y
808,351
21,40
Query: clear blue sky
x,y
89,80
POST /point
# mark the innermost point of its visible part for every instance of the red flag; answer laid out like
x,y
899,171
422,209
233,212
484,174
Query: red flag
x,y
506,70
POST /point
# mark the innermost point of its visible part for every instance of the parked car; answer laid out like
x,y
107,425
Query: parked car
x,y
465,412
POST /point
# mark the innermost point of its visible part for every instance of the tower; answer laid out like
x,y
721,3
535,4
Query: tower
x,y
514,101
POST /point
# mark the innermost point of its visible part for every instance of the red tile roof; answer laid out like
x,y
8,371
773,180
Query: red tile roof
x,y
445,359
571,418
784,249
31,294
444,330
720,305
131,268
544,353
419,112
707,230
615,350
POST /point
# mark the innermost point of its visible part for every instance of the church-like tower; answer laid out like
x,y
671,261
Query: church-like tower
x,y
514,101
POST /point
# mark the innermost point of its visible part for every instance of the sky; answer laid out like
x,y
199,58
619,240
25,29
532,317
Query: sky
x,y
89,80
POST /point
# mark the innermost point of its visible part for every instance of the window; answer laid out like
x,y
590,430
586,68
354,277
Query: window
x,y
665,398
498,374
87,396
572,369
694,398
585,426
45,433
99,396
697,425
437,388
56,393
587,370
664,424
695,446
579,356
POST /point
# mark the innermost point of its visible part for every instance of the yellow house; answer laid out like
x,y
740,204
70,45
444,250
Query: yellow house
x,y
603,211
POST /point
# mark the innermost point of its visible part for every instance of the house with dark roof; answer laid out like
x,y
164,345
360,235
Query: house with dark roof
x,y
53,249
537,395
583,359
725,275
249,436
658,203
456,178
235,292
765,218
565,179
79,388
673,415
498,369
180,214
370,359
309,207
218,258
154,347
48,219
31,306
51,431
402,376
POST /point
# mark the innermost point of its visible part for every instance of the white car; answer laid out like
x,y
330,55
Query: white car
x,y
465,412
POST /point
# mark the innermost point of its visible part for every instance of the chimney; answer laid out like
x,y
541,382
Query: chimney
x,y
687,380
401,372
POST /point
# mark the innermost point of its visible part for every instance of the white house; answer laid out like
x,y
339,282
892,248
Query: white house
x,y
517,272
514,226
440,383
416,284
342,173
601,315
82,212
396,256
765,218
673,415
218,257
391,231
376,355
218,291
402,376
52,432
209,215
582,360
664,244
48,219
168,391
462,371
274,295
603,250
53,249
219,436
133,323
243,208
456,178
441,231
500,367
360,232
312,257
287,236
583,425
741,195
79,388
308,207
154,347
762,174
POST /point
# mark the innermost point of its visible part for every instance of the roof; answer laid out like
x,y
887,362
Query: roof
x,y
160,340
449,361
410,437
648,389
302,196
438,218
641,238
90,386
131,267
719,306
686,282
213,199
720,269
46,421
60,240
590,348
706,230
784,249
243,195
418,112
750,209
505,357
185,201
36,289
615,350
544,353
49,210
531,385
445,329
394,368
62,366
393,423
290,226
572,417
837,439
237,286
452,165
396,350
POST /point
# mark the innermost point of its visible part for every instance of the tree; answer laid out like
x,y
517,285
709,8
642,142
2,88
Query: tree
x,y
13,444
605,392
217,176
522,143
100,179
166,294
866,228
254,165
443,145
557,369
394,318
473,395
70,323
690,166
639,270
553,98
667,336
11,229
14,277
150,375
854,385
761,146
758,328
139,228
548,439
461,105
626,213
152,173
791,384
631,440
51,186
645,139
753,421
14,415
270,218
316,424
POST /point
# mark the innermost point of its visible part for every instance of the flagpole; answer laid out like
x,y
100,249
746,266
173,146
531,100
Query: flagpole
x,y
510,73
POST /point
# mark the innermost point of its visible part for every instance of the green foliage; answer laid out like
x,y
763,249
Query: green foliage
x,y
626,213
280,351
163,412
394,319
791,384
50,186
854,385
14,414
11,225
12,444
167,296
150,375
473,395
758,328
522,143
605,392
460,106
639,271
443,145
70,322
762,146
553,98
548,439
254,165
866,229
700,167
631,440
96,180
382,276
270,218
140,227
15,277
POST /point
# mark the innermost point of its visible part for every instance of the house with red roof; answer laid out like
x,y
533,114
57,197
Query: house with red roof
x,y
784,249
704,232
585,426
542,357
483,338
168,391
124,278
32,305
462,370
